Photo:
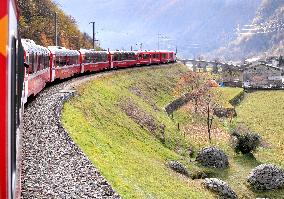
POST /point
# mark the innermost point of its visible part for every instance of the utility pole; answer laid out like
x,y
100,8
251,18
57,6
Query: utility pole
x,y
140,45
159,41
55,24
94,33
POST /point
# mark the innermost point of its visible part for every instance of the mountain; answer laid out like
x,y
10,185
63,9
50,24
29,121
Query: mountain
x,y
194,26
264,37
201,26
37,19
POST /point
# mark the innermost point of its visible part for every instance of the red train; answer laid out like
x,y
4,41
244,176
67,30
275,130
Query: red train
x,y
45,65
26,68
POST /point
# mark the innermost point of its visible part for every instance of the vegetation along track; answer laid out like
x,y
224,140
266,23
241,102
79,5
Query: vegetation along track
x,y
53,166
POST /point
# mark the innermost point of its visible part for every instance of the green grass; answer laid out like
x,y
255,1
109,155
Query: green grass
x,y
224,94
263,113
128,156
133,160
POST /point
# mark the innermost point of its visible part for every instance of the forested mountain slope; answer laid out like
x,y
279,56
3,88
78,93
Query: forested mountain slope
x,y
37,22
265,37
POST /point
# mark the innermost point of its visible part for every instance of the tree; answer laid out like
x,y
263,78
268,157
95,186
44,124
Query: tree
x,y
199,92
36,22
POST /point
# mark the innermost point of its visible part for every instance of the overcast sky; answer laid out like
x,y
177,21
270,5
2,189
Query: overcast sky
x,y
121,24
114,29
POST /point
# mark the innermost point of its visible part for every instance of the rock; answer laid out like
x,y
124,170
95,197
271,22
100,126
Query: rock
x,y
212,157
220,187
190,151
266,177
178,167
53,166
198,175
225,112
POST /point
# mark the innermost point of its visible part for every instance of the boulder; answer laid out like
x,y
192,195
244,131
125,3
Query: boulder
x,y
266,177
178,167
220,187
212,157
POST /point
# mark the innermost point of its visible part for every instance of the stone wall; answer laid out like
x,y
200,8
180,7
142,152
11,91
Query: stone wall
x,y
176,104
237,99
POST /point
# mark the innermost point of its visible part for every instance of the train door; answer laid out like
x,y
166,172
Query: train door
x,y
11,90
111,60
81,62
52,66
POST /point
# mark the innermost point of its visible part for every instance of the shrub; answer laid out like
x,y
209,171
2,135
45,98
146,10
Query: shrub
x,y
244,141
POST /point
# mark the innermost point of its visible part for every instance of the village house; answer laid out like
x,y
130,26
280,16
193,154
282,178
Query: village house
x,y
232,75
262,75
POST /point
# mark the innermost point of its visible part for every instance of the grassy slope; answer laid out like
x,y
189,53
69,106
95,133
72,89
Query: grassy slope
x,y
134,162
225,94
263,112
126,154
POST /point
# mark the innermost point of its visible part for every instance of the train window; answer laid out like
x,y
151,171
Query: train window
x,y
57,61
100,57
94,58
89,58
31,69
72,60
145,56
35,63
83,58
103,57
123,56
39,63
163,56
115,57
47,60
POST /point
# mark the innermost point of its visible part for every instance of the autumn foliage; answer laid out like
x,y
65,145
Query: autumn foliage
x,y
36,22
198,89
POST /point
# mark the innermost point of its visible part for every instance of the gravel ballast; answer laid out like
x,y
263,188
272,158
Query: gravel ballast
x,y
52,165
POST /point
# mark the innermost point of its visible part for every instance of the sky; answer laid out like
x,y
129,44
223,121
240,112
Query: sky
x,y
113,29
192,26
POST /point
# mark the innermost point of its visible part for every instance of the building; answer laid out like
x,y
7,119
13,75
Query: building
x,y
262,75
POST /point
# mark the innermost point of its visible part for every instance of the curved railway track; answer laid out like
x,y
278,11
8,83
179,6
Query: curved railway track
x,y
53,166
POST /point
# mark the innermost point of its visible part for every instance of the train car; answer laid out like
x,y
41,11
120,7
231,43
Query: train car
x,y
143,58
155,57
92,60
11,91
164,56
172,57
122,59
37,62
64,62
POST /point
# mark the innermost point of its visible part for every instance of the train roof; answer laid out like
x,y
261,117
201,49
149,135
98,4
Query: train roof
x,y
31,47
84,51
62,51
121,51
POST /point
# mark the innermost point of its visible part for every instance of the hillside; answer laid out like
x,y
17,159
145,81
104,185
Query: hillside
x,y
118,121
37,23
265,38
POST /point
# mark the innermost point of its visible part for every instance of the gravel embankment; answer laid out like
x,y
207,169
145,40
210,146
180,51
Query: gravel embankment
x,y
53,166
